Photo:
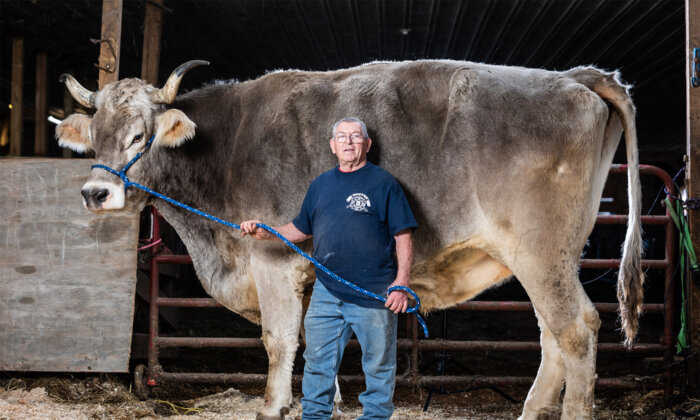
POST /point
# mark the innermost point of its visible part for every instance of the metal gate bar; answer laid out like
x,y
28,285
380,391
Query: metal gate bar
x,y
462,380
412,377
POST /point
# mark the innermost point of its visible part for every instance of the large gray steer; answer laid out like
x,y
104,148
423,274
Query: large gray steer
x,y
479,149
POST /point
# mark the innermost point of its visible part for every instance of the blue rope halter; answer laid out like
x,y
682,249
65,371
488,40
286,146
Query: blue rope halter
x,y
128,183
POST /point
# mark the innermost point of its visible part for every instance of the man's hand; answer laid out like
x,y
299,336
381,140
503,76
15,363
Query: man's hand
x,y
397,301
249,227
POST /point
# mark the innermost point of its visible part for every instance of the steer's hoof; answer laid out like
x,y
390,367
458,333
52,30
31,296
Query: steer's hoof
x,y
261,416
283,411
543,413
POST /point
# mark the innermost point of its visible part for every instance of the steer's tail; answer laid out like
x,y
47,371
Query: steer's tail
x,y
630,291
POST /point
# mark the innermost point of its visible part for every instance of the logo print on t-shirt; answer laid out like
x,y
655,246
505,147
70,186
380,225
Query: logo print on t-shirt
x,y
358,202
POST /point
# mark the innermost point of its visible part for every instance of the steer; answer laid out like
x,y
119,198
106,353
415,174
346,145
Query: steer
x,y
504,168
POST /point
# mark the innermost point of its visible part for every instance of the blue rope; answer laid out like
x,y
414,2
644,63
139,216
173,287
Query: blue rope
x,y
128,183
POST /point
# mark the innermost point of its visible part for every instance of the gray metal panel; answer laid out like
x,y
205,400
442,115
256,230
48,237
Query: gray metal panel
x,y
67,276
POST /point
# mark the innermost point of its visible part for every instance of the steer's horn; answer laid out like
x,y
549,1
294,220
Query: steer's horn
x,y
84,96
167,93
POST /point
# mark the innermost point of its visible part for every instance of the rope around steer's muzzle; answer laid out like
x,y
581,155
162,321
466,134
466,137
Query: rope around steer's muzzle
x,y
128,183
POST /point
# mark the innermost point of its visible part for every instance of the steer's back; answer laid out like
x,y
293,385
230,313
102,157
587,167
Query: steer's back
x,y
464,139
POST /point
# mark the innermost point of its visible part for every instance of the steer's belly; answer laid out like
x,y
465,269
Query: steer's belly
x,y
457,273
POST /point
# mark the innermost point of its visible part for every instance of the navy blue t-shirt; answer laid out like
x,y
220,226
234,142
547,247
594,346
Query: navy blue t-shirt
x,y
353,217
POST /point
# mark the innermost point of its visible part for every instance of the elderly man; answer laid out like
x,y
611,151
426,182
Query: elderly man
x,y
358,217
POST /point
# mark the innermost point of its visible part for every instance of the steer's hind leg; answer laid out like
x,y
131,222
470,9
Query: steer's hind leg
x,y
337,401
566,311
543,399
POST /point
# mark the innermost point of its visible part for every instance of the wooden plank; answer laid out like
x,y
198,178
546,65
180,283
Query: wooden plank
x,y
112,35
153,23
16,97
67,276
692,10
40,104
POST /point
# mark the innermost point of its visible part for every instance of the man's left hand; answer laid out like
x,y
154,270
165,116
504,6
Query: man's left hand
x,y
397,301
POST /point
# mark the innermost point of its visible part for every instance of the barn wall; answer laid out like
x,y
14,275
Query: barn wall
x,y
67,276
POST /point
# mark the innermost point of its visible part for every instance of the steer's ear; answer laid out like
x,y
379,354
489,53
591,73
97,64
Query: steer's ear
x,y
74,133
173,128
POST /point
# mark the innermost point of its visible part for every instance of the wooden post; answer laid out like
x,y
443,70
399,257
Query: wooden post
x,y
16,97
68,105
692,10
153,23
40,123
111,41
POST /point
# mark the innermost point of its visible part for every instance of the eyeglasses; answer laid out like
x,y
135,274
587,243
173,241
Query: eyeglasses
x,y
352,138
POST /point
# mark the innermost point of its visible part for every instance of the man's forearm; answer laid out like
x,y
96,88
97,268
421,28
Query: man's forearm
x,y
290,232
404,256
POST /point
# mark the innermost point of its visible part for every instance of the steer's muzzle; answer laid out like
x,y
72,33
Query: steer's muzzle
x,y
100,196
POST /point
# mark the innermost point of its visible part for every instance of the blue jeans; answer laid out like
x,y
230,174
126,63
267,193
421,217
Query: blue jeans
x,y
329,323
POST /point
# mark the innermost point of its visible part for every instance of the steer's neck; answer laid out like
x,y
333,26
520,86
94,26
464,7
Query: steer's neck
x,y
199,173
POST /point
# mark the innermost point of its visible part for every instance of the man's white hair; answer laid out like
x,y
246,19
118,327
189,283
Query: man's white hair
x,y
351,120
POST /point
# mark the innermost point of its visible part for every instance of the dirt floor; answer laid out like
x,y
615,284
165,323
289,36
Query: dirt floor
x,y
102,396
36,396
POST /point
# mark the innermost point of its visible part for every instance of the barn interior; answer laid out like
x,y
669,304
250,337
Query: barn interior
x,y
244,39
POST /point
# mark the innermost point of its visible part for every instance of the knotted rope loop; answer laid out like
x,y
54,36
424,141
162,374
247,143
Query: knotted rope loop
x,y
689,204
122,174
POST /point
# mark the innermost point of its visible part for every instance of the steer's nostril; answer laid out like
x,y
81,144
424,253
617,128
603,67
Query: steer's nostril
x,y
101,195
95,196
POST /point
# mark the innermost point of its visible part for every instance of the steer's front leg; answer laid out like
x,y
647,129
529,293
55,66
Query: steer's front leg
x,y
280,310
278,393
